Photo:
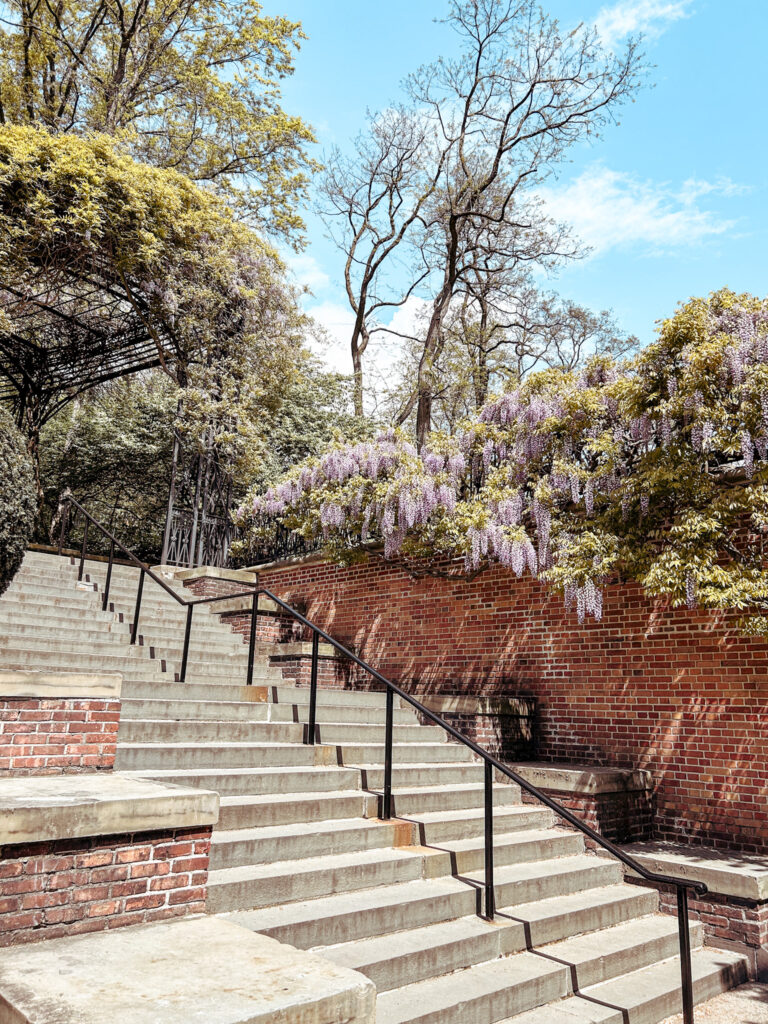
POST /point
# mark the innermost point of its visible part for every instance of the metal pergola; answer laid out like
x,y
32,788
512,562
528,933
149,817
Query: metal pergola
x,y
66,331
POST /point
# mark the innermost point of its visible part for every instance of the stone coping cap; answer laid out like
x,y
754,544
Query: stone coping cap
x,y
200,969
245,604
301,648
479,705
35,809
60,685
725,872
202,572
584,779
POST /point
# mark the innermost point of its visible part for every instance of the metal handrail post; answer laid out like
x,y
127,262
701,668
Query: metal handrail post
x,y
312,724
252,638
386,810
105,599
65,509
82,553
686,969
185,652
137,609
490,894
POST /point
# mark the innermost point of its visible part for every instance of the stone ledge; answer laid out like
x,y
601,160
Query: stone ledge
x,y
582,779
301,649
245,604
60,685
40,808
204,572
517,707
200,969
744,876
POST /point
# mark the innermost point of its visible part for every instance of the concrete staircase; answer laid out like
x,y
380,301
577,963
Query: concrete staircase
x,y
300,853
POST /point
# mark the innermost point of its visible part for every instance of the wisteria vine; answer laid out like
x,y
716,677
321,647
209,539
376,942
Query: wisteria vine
x,y
652,470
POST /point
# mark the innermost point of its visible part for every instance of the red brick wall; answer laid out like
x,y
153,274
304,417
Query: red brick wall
x,y
625,817
69,886
677,692
727,921
42,737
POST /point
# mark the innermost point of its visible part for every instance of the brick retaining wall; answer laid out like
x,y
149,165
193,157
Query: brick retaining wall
x,y
69,886
45,736
678,692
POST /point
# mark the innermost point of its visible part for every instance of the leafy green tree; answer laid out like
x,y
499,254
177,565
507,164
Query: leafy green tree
x,y
136,249
653,470
113,449
17,499
192,85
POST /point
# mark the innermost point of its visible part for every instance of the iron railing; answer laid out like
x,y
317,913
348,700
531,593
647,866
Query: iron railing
x,y
311,736
68,504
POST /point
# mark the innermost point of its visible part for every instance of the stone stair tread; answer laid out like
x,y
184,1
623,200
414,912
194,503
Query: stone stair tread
x,y
281,798
456,992
623,998
365,954
572,903
533,869
343,903
308,865
297,828
577,948
519,838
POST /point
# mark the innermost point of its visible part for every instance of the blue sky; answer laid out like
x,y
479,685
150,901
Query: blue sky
x,y
673,201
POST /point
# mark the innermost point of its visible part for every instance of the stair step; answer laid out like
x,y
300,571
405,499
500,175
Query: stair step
x,y
645,996
254,886
277,693
232,711
143,756
485,992
257,885
455,812
209,731
266,781
449,946
347,917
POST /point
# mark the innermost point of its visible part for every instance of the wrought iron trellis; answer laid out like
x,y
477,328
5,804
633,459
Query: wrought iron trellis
x,y
198,528
71,326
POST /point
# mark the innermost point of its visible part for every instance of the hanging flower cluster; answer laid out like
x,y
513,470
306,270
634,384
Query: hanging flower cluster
x,y
653,471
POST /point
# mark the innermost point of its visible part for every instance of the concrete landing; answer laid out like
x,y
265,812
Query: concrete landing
x,y
197,971
34,809
729,874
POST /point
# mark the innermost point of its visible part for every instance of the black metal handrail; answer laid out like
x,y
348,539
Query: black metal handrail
x,y
68,502
681,885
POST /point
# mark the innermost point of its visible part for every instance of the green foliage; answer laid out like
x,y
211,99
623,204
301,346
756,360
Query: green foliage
x,y
205,287
113,448
653,470
18,499
189,84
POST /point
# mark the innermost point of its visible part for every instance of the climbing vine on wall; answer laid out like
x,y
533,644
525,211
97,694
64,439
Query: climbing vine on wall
x,y
653,470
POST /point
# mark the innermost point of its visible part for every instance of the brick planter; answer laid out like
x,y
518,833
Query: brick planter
x,y
58,722
99,851
504,726
39,737
69,886
614,802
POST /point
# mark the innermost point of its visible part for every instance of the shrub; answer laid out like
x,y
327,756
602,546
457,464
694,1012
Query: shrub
x,y
18,499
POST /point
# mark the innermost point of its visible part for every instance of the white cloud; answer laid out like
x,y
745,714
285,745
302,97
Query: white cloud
x,y
336,321
651,17
608,209
307,271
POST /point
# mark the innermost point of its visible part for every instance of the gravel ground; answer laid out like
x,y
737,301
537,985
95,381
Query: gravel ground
x,y
745,1005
